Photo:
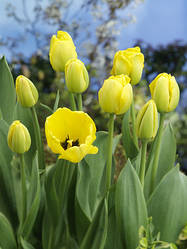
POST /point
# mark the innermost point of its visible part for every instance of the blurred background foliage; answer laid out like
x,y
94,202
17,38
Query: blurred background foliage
x,y
94,26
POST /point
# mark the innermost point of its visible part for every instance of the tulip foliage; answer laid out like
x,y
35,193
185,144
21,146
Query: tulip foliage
x,y
75,203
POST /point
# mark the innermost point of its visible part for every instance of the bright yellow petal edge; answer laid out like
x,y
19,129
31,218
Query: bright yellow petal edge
x,y
70,134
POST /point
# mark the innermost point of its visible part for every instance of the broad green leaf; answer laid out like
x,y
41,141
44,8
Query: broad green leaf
x,y
7,92
33,200
113,239
7,196
166,159
52,200
95,236
57,184
25,116
167,205
90,182
130,206
128,143
90,185
7,238
168,153
25,244
47,227
115,142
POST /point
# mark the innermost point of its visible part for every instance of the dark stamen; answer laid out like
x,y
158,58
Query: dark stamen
x,y
75,143
65,143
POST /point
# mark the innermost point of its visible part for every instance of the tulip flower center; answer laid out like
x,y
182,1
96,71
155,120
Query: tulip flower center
x,y
69,143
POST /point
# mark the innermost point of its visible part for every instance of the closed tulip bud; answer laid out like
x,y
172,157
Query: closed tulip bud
x,y
27,93
129,62
115,96
165,92
19,139
77,79
147,121
61,50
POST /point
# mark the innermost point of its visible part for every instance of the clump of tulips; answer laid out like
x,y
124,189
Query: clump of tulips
x,y
75,203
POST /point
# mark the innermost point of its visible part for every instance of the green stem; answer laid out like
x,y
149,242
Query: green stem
x,y
132,111
109,159
79,101
72,101
157,152
143,160
41,162
23,188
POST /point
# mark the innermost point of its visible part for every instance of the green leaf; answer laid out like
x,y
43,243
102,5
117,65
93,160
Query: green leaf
x,y
166,159
7,238
47,108
115,142
113,239
167,205
136,162
25,244
95,237
90,183
7,195
46,229
131,212
56,101
128,143
52,200
33,200
7,93
25,116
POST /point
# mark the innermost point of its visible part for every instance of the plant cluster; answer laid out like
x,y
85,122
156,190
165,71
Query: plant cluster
x,y
75,202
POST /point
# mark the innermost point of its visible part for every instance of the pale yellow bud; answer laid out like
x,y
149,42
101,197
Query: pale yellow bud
x,y
165,92
129,62
61,50
147,121
27,93
115,96
18,139
77,79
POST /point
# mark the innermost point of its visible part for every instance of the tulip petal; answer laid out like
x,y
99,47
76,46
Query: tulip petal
x,y
137,68
174,94
126,99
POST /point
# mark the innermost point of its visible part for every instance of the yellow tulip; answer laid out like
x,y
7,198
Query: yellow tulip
x,y
18,139
165,92
70,134
115,96
61,50
147,121
76,75
129,62
27,93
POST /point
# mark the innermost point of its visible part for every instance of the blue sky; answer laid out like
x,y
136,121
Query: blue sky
x,y
157,22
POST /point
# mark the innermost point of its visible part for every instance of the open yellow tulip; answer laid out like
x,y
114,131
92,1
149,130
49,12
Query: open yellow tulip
x,y
70,134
